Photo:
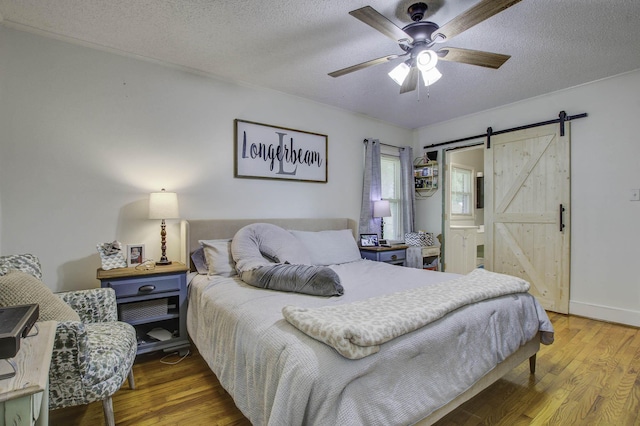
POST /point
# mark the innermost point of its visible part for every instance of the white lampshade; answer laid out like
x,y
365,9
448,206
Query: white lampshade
x,y
426,60
399,73
163,205
431,76
381,208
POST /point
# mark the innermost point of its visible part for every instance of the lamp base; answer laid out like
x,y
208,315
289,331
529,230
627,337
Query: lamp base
x,y
163,246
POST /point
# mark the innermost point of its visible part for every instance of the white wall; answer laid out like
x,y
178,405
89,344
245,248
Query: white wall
x,y
86,135
605,166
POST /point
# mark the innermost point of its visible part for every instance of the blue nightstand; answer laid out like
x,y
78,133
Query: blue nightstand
x,y
395,255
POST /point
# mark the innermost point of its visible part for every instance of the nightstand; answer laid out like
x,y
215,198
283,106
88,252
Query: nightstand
x,y
395,255
431,257
153,301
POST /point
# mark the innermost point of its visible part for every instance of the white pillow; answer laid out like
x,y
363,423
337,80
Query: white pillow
x,y
217,253
329,247
200,263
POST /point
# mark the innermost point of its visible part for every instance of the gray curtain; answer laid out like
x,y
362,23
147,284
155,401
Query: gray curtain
x,y
371,187
408,189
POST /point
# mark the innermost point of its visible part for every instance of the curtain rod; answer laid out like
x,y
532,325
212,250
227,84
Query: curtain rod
x,y
562,118
386,144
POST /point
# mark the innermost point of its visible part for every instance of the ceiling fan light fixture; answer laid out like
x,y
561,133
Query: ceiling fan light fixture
x,y
431,76
399,73
426,60
417,38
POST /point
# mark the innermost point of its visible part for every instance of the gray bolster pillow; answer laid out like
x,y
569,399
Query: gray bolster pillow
x,y
306,279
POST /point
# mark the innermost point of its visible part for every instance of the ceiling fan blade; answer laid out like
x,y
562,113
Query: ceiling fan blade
x,y
472,57
364,65
411,82
374,19
478,13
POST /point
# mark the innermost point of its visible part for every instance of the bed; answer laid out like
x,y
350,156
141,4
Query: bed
x,y
277,374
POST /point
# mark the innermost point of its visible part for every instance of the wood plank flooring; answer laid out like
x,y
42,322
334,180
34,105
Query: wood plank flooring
x,y
589,376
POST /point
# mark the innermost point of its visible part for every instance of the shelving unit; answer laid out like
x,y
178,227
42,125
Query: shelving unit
x,y
425,174
431,258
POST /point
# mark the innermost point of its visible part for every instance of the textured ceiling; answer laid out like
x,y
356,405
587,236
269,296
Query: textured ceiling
x,y
291,45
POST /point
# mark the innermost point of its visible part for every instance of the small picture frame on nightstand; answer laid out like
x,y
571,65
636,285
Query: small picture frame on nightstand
x,y
368,240
135,254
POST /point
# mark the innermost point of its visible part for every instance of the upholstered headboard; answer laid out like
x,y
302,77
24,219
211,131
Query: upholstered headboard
x,y
191,231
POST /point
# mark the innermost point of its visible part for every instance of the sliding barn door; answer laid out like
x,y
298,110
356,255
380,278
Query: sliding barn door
x,y
527,211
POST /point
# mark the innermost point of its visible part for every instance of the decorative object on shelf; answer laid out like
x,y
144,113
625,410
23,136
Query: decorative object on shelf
x,y
418,239
163,205
270,152
425,175
135,254
381,209
111,255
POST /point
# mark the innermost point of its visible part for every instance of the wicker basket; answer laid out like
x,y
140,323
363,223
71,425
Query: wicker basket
x,y
143,310
418,239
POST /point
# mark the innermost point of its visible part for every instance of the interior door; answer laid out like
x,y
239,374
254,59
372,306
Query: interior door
x,y
459,232
527,210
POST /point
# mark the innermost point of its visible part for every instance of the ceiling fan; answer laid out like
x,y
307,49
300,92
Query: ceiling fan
x,y
417,39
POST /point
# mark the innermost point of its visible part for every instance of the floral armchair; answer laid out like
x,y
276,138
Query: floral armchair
x,y
93,352
91,358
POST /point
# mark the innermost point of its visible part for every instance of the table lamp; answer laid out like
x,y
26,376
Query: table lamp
x,y
163,205
381,209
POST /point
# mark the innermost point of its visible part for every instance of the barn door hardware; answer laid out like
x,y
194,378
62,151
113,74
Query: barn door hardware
x,y
562,210
562,118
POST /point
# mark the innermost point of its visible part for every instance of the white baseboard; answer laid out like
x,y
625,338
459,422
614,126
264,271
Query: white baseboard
x,y
605,313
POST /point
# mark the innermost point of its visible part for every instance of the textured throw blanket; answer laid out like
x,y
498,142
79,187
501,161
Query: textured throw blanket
x,y
357,329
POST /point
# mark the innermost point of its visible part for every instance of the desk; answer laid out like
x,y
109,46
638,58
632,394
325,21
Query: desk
x,y
24,398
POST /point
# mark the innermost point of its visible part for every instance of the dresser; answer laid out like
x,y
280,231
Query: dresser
x,y
395,255
24,398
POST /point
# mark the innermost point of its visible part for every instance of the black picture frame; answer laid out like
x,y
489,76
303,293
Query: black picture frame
x,y
369,240
265,151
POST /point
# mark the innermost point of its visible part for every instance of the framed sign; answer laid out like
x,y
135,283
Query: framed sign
x,y
270,152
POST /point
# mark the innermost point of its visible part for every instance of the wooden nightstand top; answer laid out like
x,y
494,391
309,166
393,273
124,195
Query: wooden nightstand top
x,y
137,272
381,248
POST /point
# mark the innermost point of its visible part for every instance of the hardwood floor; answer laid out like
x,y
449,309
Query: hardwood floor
x,y
589,376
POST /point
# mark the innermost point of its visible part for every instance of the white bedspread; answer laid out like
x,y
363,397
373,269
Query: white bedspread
x,y
277,375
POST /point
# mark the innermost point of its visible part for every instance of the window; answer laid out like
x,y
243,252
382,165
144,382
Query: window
x,y
461,192
391,190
